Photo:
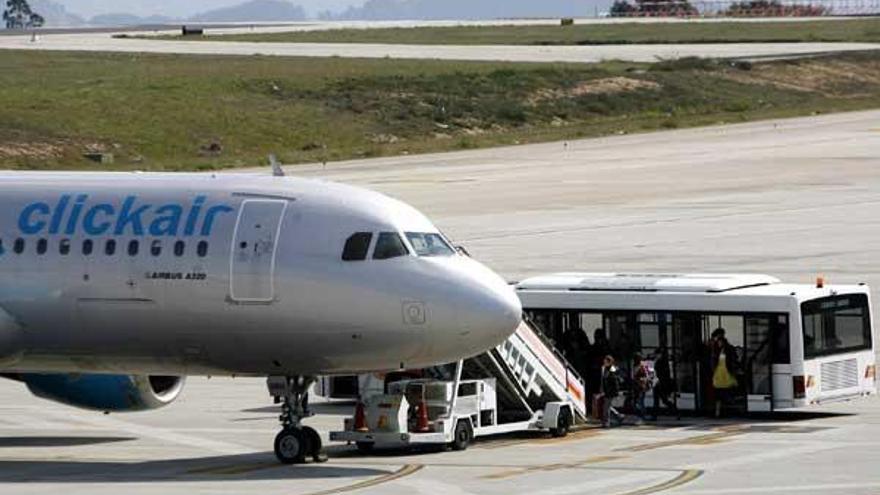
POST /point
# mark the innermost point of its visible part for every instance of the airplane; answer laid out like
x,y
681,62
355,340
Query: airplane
x,y
116,286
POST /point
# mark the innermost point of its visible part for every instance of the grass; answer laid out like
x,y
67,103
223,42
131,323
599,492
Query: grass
x,y
862,29
179,112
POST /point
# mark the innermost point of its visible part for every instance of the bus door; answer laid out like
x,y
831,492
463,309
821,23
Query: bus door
x,y
687,352
758,360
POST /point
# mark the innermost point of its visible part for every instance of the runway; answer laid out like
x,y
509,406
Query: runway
x,y
793,198
106,42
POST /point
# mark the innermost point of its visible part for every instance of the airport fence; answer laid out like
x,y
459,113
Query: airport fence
x,y
744,8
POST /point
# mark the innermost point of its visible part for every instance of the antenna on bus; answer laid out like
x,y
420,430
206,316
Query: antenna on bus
x,y
277,171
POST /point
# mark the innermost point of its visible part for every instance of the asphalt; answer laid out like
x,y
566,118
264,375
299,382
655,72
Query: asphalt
x,y
793,198
109,41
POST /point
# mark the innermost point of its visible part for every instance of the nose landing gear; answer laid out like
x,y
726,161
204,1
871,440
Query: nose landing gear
x,y
295,443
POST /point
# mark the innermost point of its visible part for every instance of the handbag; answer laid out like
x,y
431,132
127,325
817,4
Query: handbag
x,y
722,378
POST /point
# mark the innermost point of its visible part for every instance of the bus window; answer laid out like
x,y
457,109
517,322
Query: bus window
x,y
836,325
781,345
590,322
649,332
549,322
732,325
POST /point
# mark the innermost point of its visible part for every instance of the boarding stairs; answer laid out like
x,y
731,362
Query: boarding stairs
x,y
530,372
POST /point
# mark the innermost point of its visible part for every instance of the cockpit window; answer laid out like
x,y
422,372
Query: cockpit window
x,y
389,245
356,246
428,244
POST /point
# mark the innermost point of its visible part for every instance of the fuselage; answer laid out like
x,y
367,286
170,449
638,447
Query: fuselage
x,y
231,274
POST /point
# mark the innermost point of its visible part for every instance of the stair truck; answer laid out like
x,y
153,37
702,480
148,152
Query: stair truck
x,y
522,385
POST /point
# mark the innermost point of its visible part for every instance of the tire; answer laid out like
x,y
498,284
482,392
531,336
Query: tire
x,y
365,447
463,435
314,441
292,446
563,424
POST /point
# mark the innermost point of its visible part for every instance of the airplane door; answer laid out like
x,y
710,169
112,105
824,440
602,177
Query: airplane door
x,y
252,270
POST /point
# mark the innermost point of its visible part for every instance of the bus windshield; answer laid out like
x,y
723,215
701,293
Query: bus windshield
x,y
836,325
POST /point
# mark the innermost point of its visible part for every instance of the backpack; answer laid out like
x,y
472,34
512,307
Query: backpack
x,y
643,377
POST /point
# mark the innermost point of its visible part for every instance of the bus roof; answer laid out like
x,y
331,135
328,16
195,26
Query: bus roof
x,y
646,282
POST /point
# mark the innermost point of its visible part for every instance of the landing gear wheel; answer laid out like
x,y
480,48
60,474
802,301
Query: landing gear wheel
x,y
292,445
315,444
563,424
463,435
365,447
295,442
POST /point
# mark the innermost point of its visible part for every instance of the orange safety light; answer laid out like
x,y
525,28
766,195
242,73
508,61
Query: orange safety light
x,y
820,282
871,372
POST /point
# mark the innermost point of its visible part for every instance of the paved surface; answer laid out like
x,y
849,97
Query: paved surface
x,y
213,28
106,42
216,440
791,198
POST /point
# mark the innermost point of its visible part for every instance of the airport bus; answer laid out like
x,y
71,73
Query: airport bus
x,y
796,344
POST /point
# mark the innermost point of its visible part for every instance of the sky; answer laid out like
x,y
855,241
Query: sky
x,y
182,8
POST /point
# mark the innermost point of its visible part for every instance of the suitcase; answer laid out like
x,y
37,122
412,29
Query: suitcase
x,y
599,408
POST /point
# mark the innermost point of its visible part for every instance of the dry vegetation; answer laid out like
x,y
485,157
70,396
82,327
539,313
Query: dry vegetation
x,y
167,112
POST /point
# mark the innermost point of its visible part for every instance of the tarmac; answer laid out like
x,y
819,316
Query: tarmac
x,y
109,41
792,198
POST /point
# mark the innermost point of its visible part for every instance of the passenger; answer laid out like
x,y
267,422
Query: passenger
x,y
641,382
610,389
664,387
724,370
578,352
597,354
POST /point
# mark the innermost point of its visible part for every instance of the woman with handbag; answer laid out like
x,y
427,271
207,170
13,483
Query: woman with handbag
x,y
724,366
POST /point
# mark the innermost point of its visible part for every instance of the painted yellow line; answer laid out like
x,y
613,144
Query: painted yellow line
x,y
603,458
396,475
510,473
571,437
710,439
682,479
577,434
233,469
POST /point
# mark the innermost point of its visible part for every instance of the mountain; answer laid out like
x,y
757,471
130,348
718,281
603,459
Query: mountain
x,y
254,11
467,9
56,15
122,19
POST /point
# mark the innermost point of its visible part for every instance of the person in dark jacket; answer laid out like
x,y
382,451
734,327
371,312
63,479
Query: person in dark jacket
x,y
664,387
610,389
641,382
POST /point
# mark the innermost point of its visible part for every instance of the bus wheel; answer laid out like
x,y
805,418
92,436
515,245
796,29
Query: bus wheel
x,y
563,424
463,435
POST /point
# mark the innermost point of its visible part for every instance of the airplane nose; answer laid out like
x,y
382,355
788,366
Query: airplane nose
x,y
489,312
